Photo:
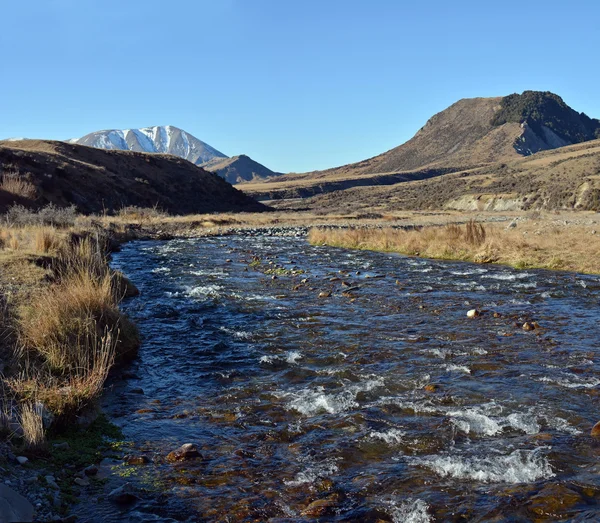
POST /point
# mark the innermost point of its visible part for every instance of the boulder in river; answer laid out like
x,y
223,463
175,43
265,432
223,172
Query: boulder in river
x,y
185,452
325,294
473,313
13,506
596,430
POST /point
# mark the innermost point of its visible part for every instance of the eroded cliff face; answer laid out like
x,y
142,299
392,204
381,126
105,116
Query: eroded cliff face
x,y
531,142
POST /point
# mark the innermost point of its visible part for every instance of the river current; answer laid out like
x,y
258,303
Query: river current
x,y
335,385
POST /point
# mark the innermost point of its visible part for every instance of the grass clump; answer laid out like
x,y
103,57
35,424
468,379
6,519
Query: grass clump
x,y
18,185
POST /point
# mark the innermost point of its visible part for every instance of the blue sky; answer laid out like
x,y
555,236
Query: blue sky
x,y
297,85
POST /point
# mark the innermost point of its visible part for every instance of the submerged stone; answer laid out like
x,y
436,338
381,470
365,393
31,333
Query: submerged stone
x,y
185,452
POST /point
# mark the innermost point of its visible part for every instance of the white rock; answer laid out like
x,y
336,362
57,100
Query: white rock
x,y
473,313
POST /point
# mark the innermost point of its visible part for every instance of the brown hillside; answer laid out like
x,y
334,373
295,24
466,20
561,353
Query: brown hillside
x,y
565,178
96,179
469,134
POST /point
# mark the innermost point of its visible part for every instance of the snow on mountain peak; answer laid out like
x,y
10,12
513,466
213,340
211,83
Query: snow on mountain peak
x,y
157,139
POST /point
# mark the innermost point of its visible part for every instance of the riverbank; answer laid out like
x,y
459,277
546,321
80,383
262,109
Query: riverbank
x,y
61,332
524,243
61,300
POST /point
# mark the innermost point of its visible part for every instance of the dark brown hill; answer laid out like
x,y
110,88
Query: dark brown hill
x,y
96,180
238,169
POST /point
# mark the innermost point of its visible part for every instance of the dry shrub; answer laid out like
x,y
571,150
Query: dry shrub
x,y
18,185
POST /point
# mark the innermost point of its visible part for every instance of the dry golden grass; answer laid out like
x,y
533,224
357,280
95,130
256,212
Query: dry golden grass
x,y
65,319
40,239
17,185
65,396
66,325
569,248
33,427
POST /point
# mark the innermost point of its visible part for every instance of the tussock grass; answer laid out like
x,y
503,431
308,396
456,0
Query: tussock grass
x,y
32,424
572,248
69,331
67,318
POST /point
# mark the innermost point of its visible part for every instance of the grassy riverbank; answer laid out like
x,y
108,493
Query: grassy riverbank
x,y
61,329
529,243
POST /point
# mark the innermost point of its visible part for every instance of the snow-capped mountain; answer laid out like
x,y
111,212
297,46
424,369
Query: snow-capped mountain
x,y
157,139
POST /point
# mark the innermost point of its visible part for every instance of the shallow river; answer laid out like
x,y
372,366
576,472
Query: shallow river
x,y
379,403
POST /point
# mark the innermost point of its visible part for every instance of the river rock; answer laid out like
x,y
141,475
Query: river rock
x,y
61,446
320,507
82,482
185,452
136,460
52,482
92,470
554,500
124,494
473,313
325,294
13,506
22,460
596,430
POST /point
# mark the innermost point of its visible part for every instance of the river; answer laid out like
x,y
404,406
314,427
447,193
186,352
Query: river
x,y
380,402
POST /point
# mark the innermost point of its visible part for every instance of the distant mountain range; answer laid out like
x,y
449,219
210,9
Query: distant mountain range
x,y
172,140
470,134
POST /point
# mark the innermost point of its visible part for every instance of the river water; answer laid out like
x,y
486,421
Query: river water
x,y
381,402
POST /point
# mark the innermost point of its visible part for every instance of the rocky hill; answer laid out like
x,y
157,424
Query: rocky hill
x,y
172,140
469,134
96,180
238,169
563,178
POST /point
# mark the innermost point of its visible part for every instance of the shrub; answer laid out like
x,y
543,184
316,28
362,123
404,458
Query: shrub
x,y
21,216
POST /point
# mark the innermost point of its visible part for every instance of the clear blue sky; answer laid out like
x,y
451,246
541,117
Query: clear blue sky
x,y
297,85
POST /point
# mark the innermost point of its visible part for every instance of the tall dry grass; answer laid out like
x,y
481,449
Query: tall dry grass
x,y
449,242
40,239
549,246
67,318
32,424
71,334
18,185
65,395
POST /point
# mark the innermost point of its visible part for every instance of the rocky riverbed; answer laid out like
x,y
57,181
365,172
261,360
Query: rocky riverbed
x,y
308,382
